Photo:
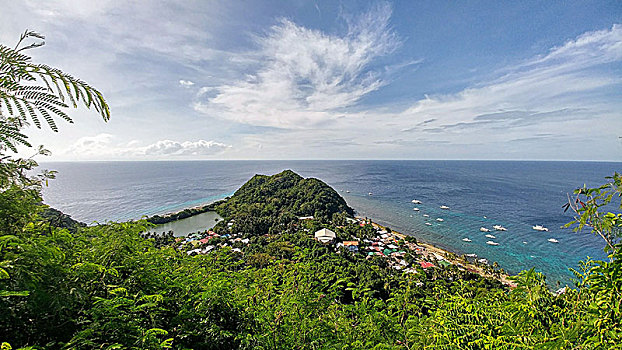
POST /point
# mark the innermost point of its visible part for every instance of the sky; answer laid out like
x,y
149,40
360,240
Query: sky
x,y
186,80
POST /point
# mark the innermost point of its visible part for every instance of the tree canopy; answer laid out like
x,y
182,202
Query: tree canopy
x,y
266,202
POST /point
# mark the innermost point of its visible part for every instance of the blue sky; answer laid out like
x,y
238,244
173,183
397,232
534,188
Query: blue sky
x,y
335,80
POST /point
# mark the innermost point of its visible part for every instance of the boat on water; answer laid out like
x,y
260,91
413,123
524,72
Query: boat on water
x,y
416,209
426,215
524,242
370,194
471,255
347,191
483,229
466,239
483,261
429,224
499,228
539,228
440,220
444,207
553,240
490,236
416,201
492,243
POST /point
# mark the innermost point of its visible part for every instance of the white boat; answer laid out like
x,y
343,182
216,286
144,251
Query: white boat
x,y
499,228
539,228
429,224
426,215
444,207
370,193
471,255
492,243
483,261
440,220
416,201
553,240
524,242
466,239
483,229
491,236
347,191
416,209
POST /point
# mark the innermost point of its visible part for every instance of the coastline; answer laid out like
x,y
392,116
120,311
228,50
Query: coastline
x,y
181,214
451,257
435,251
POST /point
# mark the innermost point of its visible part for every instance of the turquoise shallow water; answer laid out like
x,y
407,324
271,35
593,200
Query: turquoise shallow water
x,y
516,195
184,227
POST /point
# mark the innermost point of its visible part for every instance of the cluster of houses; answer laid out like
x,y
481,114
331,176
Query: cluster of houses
x,y
388,245
391,246
201,242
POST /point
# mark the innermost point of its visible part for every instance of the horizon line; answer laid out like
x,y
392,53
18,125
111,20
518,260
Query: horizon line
x,y
326,159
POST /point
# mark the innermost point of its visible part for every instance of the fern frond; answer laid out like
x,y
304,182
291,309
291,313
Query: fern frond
x,y
45,94
40,106
10,136
7,104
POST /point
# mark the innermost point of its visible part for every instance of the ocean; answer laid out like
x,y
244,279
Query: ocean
x,y
516,195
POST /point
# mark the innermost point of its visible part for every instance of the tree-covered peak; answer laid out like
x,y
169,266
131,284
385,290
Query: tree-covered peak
x,y
282,180
265,202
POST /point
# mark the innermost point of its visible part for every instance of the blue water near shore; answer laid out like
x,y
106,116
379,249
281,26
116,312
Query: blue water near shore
x,y
516,195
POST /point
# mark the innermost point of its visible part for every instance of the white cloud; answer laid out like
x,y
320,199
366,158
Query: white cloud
x,y
307,75
91,145
70,8
565,80
589,48
186,83
187,148
177,32
102,146
569,95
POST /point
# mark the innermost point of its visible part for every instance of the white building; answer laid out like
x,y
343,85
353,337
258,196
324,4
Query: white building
x,y
325,235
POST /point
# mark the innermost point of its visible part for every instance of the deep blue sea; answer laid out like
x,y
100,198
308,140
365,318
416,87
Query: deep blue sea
x,y
516,195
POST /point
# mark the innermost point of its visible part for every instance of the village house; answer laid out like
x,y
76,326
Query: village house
x,y
352,246
325,235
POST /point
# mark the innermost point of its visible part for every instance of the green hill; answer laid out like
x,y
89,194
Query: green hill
x,y
266,202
